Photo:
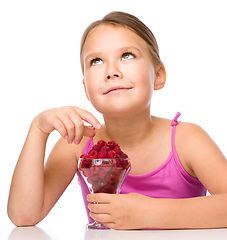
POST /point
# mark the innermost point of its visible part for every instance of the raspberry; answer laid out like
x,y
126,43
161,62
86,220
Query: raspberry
x,y
101,143
95,186
117,149
89,179
111,154
115,163
107,168
110,188
102,182
83,156
102,174
94,170
85,163
90,152
118,171
105,148
124,163
87,172
102,154
101,190
93,154
112,178
96,148
111,145
124,155
94,177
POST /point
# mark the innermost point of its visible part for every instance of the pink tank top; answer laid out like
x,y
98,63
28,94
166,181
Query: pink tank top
x,y
170,180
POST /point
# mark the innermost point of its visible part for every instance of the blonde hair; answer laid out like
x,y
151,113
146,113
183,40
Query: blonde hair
x,y
131,22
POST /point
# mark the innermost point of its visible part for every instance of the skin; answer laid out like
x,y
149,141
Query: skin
x,y
108,65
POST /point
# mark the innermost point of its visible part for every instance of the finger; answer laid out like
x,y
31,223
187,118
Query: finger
x,y
103,218
79,131
110,225
60,127
69,126
87,116
78,125
88,132
99,208
102,198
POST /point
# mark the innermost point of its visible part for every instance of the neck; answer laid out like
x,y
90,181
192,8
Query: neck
x,y
129,131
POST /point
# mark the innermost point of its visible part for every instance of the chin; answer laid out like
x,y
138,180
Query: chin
x,y
122,107
119,113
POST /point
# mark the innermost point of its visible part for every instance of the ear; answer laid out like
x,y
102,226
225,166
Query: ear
x,y
85,89
160,78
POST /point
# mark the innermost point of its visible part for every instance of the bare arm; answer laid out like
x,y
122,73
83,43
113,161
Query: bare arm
x,y
35,188
26,193
192,213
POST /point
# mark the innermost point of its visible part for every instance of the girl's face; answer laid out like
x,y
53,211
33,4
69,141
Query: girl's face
x,y
118,72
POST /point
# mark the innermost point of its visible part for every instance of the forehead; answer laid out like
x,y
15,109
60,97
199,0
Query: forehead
x,y
107,37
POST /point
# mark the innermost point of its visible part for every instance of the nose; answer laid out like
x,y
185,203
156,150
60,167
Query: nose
x,y
108,77
113,72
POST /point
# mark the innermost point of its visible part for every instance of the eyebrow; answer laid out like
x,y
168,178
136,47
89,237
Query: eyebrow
x,y
91,55
123,49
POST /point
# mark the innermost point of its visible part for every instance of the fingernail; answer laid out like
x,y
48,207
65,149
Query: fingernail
x,y
99,125
66,136
70,141
77,142
87,198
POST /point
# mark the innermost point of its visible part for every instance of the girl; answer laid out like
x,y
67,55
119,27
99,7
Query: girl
x,y
173,164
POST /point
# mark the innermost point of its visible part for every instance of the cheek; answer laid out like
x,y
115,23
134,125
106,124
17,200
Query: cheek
x,y
93,92
144,79
92,83
90,91
145,86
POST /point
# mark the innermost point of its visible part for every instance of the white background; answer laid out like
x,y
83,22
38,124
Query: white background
x,y
40,69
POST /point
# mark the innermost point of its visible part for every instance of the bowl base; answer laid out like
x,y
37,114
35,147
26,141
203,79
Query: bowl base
x,y
96,225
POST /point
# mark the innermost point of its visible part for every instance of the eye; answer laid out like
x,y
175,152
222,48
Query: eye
x,y
127,56
96,61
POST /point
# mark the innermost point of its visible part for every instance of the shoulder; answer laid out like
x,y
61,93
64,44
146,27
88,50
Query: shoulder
x,y
198,152
190,135
190,140
186,130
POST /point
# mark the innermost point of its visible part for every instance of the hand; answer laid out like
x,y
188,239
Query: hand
x,y
68,121
119,211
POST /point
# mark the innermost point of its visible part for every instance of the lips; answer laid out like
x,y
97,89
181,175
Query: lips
x,y
116,89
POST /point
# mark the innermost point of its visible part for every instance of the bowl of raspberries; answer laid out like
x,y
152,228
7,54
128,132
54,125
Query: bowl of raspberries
x,y
105,167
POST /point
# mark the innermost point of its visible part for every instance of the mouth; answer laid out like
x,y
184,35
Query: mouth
x,y
117,89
